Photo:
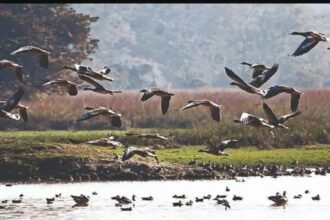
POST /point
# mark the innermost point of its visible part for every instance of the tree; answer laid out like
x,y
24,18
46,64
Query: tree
x,y
57,28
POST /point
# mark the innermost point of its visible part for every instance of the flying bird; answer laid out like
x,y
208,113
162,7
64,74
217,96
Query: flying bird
x,y
131,151
251,120
264,76
97,87
12,65
257,69
114,117
10,104
231,143
312,38
266,93
85,70
22,109
278,122
154,136
164,95
42,54
71,87
214,108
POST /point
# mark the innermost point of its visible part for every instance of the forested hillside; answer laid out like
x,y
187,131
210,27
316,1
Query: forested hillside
x,y
188,45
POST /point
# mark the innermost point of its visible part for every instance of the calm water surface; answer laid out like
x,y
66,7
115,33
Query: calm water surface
x,y
254,205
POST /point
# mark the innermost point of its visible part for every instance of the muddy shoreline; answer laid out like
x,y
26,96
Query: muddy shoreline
x,y
54,170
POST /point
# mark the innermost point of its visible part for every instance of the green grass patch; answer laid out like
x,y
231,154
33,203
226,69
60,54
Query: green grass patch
x,y
49,144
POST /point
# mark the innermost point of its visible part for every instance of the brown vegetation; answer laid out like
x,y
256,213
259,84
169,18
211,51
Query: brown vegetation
x,y
312,126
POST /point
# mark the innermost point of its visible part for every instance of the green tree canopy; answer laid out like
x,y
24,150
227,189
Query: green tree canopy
x,y
57,28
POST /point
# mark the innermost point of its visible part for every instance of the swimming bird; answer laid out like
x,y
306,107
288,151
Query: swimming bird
x,y
114,117
183,196
278,199
131,151
264,76
257,68
97,87
148,135
71,87
164,95
12,65
317,197
81,200
312,38
10,104
50,200
297,196
266,93
235,198
126,208
177,203
215,109
148,198
278,122
42,54
224,202
86,70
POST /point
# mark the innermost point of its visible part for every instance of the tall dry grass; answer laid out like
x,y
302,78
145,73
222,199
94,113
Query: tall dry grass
x,y
312,126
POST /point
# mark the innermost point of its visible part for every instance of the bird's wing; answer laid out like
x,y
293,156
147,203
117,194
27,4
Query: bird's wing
x,y
215,113
270,114
89,114
243,85
9,115
22,50
305,46
116,121
90,81
256,72
247,118
19,73
43,60
147,95
294,102
264,77
14,100
128,153
72,90
23,113
165,103
284,118
191,104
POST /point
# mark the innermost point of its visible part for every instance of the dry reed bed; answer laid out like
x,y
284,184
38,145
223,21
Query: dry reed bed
x,y
312,126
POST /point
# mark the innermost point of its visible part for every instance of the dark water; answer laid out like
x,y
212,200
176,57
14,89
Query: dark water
x,y
254,205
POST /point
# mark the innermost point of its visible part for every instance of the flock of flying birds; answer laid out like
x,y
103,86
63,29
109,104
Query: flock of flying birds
x,y
260,75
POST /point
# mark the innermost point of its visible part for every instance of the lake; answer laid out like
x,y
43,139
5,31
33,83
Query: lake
x,y
255,204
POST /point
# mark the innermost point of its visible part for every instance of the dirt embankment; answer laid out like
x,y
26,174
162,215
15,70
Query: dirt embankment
x,y
84,169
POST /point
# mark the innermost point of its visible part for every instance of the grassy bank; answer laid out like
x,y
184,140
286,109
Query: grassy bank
x,y
49,144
